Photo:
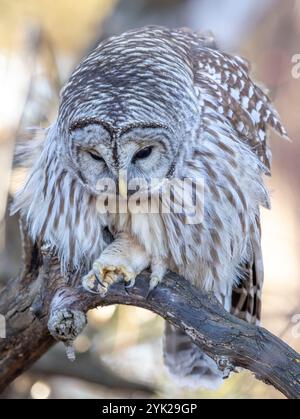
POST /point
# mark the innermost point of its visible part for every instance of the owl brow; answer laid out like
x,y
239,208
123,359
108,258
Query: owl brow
x,y
84,122
143,125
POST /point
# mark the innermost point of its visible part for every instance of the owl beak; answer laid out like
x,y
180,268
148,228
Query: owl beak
x,y
123,185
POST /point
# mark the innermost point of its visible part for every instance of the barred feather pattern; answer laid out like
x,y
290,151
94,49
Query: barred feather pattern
x,y
213,121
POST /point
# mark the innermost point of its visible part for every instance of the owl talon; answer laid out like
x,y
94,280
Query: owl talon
x,y
98,278
129,284
126,290
154,281
92,283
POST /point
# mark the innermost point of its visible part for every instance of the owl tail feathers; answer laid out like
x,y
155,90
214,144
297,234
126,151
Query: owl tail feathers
x,y
187,364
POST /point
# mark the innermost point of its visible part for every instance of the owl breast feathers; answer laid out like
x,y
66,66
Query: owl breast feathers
x,y
163,104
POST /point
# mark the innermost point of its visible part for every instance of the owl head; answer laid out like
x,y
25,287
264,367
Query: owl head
x,y
127,109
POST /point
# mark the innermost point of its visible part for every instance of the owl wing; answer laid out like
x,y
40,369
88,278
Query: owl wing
x,y
226,86
246,297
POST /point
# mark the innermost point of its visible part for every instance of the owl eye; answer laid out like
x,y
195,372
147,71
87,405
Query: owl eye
x,y
95,156
143,154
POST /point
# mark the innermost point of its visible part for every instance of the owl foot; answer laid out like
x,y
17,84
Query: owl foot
x,y
123,260
102,276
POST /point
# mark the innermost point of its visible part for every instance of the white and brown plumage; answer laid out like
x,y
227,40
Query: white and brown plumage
x,y
197,113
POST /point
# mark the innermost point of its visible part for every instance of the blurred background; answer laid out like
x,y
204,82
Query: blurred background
x,y
119,354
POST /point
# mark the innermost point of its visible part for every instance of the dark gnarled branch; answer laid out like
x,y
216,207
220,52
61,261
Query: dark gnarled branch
x,y
40,301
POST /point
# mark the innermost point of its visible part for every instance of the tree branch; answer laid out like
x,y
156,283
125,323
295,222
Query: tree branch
x,y
40,300
89,368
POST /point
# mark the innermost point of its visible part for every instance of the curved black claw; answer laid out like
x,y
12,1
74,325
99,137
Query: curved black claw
x,y
92,283
128,285
98,278
126,288
150,292
154,281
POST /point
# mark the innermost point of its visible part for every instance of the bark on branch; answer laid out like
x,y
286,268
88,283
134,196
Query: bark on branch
x,y
40,300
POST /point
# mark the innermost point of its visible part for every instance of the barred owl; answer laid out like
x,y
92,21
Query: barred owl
x,y
164,104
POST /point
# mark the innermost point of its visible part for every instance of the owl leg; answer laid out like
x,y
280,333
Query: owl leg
x,y
123,260
158,271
